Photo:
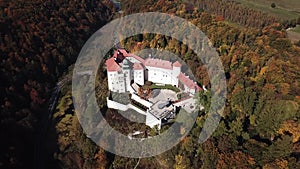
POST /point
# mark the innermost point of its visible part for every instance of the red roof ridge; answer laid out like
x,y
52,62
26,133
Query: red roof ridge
x,y
159,63
137,66
177,64
188,82
137,58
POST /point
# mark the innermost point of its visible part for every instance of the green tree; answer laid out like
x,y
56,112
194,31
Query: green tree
x,y
273,5
281,148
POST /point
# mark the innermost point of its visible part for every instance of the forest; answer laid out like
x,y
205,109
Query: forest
x,y
39,40
259,128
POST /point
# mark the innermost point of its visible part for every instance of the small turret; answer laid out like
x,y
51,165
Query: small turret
x,y
125,65
176,68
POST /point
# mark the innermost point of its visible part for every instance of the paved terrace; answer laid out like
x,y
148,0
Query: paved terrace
x,y
163,95
161,113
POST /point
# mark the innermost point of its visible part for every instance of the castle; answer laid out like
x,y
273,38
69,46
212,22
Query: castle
x,y
124,69
128,72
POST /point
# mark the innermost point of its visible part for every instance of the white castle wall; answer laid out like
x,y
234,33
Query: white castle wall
x,y
159,75
139,76
127,79
142,101
176,72
116,105
152,121
136,109
116,82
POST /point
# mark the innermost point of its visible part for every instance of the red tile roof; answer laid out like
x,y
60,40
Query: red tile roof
x,y
137,58
198,88
112,65
188,82
158,63
177,64
126,54
137,66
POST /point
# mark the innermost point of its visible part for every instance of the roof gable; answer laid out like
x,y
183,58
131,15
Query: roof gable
x,y
112,65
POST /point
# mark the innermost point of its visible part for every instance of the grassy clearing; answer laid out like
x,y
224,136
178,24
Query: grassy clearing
x,y
284,9
296,29
294,34
167,86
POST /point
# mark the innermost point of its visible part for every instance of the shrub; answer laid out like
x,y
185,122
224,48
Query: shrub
x,y
273,5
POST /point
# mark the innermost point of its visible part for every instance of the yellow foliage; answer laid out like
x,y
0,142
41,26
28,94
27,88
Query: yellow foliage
x,y
179,162
252,119
260,42
182,130
292,127
263,70
253,79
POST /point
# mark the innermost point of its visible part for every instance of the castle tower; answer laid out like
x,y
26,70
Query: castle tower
x,y
176,71
127,74
138,73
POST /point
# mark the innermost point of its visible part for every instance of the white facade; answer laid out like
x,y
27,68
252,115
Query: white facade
x,y
160,75
131,68
176,71
189,90
152,121
120,80
139,77
116,82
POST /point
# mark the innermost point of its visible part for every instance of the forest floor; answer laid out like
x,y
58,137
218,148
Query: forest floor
x,y
284,9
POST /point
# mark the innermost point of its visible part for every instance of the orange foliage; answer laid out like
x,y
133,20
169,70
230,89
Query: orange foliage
x,y
220,18
237,159
284,88
101,160
278,164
